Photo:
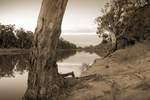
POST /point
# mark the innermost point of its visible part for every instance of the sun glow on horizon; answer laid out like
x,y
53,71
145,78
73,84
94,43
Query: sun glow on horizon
x,y
79,15
78,18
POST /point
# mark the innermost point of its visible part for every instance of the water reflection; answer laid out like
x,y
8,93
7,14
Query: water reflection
x,y
13,76
9,64
64,54
76,63
14,70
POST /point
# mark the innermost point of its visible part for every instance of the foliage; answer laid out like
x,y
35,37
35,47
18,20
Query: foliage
x,y
9,37
20,38
101,49
25,38
119,17
63,44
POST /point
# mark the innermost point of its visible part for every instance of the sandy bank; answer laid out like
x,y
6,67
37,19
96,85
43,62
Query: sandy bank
x,y
125,75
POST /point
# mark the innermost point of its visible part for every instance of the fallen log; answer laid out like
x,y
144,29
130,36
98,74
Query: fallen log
x,y
68,74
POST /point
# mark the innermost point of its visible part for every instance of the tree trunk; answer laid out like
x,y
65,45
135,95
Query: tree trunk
x,y
113,38
44,81
114,43
4,40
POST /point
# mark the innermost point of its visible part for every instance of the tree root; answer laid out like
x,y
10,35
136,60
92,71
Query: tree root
x,y
112,50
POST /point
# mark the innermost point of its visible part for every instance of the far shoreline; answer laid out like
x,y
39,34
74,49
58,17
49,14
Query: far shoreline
x,y
13,51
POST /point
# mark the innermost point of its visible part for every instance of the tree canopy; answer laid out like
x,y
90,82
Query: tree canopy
x,y
17,38
125,20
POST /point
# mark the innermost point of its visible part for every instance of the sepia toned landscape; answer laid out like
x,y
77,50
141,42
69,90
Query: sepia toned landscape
x,y
75,50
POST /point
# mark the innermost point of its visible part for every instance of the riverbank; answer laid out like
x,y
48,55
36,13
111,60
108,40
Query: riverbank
x,y
13,51
124,75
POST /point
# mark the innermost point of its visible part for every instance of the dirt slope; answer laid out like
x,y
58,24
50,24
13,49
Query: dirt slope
x,y
125,75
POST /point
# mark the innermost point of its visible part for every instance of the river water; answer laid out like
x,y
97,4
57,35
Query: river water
x,y
14,71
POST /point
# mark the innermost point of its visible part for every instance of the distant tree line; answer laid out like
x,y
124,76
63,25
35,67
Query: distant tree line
x,y
63,44
17,38
20,38
100,49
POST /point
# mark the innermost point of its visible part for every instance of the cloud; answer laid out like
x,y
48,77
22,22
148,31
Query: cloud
x,y
80,30
82,40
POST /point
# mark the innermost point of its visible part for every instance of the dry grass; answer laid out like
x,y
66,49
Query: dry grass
x,y
132,52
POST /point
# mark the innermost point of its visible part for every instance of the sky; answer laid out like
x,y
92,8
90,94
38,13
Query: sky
x,y
78,18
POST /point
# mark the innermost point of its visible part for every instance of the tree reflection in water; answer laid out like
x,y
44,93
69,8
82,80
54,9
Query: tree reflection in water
x,y
14,70
64,54
13,63
9,64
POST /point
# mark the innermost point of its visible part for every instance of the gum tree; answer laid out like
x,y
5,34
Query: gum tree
x,y
117,17
44,81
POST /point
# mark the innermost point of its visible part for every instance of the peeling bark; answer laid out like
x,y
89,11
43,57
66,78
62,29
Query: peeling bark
x,y
113,38
44,81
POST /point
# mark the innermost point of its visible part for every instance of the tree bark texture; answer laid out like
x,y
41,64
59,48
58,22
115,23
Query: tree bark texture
x,y
113,38
44,81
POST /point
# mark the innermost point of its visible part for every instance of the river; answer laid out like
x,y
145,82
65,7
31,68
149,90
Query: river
x,y
14,71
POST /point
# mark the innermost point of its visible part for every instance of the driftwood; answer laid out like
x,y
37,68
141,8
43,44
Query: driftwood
x,y
88,77
68,74
140,76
